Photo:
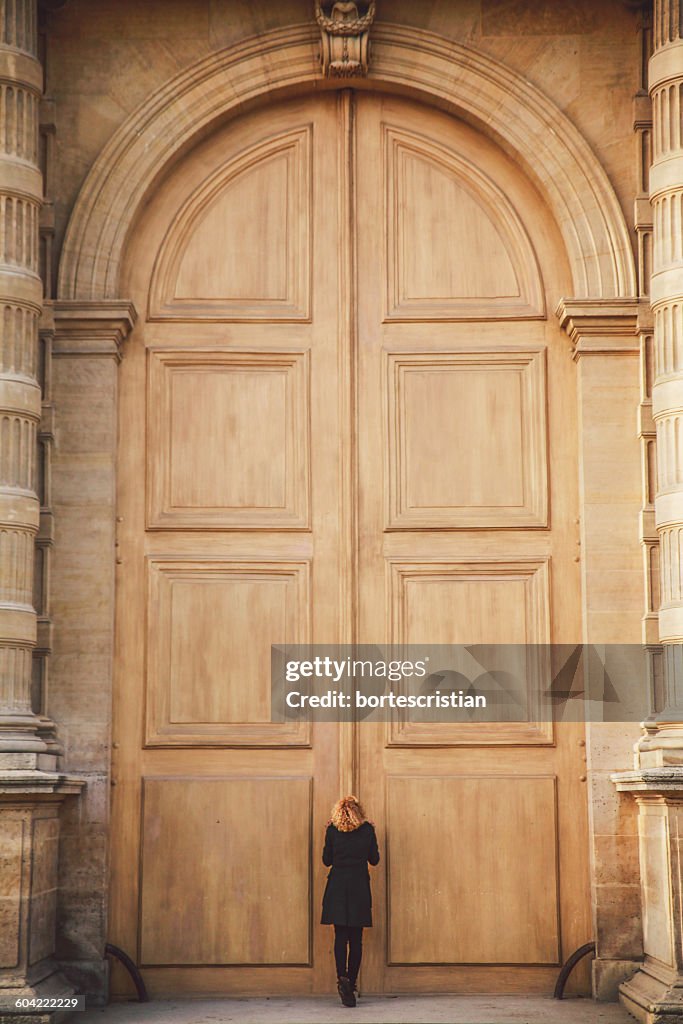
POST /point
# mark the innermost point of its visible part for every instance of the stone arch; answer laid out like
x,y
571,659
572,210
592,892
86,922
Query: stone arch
x,y
479,88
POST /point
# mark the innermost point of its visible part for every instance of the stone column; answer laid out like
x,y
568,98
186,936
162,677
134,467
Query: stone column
x,y
664,742
20,404
655,993
31,787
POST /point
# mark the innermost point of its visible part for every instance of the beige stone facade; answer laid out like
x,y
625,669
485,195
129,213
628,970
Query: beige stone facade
x,y
227,236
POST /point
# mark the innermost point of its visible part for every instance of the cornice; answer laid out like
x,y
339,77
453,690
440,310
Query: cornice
x,y
601,326
654,781
91,328
37,783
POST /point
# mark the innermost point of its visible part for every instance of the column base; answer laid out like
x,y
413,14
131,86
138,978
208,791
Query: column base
x,y
654,995
52,985
653,999
90,977
609,975
18,734
661,745
29,879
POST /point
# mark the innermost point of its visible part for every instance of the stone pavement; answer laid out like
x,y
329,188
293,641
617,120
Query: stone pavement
x,y
370,1010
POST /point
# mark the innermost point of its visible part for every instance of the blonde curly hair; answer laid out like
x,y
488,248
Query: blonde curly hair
x,y
347,814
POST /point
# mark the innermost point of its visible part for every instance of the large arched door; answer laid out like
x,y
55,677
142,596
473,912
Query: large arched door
x,y
345,415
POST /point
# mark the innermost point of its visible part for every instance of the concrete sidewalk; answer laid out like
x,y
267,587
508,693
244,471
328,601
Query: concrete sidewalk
x,y
370,1010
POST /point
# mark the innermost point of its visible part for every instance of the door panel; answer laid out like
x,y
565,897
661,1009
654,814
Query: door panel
x,y
510,918
433,398
439,206
427,597
206,465
232,816
467,506
345,417
256,211
199,614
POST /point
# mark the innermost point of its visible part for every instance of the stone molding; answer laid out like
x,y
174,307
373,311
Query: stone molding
x,y
37,783
21,286
667,779
601,326
665,64
21,68
91,328
496,99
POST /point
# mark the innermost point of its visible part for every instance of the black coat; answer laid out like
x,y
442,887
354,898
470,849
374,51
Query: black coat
x,y
347,899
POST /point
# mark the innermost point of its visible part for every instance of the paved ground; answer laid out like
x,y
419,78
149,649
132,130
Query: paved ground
x,y
370,1010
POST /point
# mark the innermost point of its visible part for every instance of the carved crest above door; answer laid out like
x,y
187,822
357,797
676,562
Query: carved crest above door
x,y
345,30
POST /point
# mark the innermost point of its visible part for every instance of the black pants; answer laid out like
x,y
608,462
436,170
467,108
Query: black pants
x,y
345,936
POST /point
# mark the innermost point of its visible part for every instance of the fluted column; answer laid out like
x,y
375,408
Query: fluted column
x,y
20,400
655,992
664,741
30,790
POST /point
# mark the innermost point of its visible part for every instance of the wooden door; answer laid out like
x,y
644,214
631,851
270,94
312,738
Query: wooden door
x,y
345,416
467,485
231,433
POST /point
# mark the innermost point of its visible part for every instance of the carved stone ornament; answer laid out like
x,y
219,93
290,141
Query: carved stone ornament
x,y
344,37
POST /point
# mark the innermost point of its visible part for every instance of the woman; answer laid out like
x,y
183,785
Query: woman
x,y
350,844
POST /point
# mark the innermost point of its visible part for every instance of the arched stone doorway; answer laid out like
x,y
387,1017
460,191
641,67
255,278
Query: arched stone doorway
x,y
330,533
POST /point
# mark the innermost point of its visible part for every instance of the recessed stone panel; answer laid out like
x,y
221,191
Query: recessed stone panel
x,y
11,880
43,888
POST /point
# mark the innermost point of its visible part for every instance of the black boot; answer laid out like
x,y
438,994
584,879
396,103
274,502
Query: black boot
x,y
345,990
